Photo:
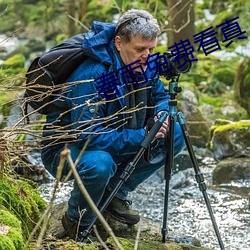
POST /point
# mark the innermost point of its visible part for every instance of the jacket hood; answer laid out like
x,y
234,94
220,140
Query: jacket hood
x,y
98,42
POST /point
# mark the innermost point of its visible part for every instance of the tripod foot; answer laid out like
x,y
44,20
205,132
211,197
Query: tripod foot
x,y
164,232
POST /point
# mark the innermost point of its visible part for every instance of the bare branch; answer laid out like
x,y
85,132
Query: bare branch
x,y
66,154
77,21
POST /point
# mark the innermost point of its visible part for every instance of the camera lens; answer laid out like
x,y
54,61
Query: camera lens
x,y
181,63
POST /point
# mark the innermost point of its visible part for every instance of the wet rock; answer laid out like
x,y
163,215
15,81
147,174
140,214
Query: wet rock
x,y
181,179
231,169
197,125
31,167
150,234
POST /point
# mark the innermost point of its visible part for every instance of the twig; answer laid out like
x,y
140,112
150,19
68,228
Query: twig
x,y
99,238
137,236
66,154
45,217
77,21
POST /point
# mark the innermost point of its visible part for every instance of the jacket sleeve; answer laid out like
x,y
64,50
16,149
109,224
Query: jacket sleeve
x,y
160,96
88,119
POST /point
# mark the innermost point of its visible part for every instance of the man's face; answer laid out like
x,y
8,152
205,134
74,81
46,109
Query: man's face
x,y
137,49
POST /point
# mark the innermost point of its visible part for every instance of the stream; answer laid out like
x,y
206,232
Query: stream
x,y
187,212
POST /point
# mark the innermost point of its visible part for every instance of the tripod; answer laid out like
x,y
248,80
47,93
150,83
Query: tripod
x,y
169,163
129,169
173,90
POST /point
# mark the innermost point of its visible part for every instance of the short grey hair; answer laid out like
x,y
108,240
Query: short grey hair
x,y
137,22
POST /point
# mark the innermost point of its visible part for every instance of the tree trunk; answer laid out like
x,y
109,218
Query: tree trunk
x,y
83,7
181,21
72,14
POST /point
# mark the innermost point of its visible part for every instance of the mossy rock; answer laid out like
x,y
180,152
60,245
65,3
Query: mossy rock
x,y
231,139
11,237
128,244
22,200
150,235
219,107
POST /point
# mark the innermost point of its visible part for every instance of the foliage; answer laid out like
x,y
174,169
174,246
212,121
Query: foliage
x,y
212,75
242,84
13,238
224,75
12,70
218,105
22,200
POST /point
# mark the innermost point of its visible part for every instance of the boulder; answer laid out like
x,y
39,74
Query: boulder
x,y
197,125
230,140
150,235
231,169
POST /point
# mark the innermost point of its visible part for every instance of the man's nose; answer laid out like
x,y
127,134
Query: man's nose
x,y
145,54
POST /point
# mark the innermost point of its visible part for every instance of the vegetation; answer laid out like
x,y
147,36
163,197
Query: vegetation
x,y
217,81
47,23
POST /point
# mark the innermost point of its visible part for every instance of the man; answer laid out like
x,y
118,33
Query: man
x,y
109,117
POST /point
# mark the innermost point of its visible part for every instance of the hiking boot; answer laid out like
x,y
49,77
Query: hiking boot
x,y
121,211
75,231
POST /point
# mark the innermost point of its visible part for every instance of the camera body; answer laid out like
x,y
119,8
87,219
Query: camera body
x,y
171,66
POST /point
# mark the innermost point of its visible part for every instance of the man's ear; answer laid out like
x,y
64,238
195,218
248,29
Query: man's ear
x,y
118,42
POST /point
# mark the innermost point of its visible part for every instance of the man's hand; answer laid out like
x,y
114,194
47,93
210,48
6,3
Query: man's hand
x,y
164,128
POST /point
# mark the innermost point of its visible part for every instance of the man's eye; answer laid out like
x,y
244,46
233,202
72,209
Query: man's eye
x,y
139,49
151,51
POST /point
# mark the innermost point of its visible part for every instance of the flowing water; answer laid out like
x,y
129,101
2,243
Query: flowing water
x,y
187,212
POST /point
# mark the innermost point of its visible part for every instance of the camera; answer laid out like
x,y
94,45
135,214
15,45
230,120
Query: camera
x,y
172,66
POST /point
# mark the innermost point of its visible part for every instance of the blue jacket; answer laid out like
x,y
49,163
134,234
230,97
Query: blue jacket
x,y
89,116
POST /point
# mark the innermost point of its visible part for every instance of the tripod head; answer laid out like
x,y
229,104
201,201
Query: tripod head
x,y
174,89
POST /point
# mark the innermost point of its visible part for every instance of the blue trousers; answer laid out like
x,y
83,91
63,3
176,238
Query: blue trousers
x,y
100,170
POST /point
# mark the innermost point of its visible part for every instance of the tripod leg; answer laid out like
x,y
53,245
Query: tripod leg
x,y
129,168
199,177
168,173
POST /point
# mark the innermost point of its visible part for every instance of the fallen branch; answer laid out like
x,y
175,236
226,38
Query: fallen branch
x,y
66,154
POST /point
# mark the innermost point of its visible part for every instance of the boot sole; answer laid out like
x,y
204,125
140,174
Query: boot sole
x,y
121,219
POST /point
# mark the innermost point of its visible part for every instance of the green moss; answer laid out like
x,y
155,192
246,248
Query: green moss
x,y
13,71
242,84
13,239
128,244
16,61
235,125
224,75
239,128
22,200
6,96
6,243
16,237
214,101
9,219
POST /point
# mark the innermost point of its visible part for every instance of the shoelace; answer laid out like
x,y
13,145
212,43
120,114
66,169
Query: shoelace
x,y
127,203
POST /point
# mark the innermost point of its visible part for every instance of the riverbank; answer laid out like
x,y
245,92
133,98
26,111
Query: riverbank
x,y
188,215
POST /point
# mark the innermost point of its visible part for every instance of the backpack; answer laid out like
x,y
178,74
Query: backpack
x,y
47,74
